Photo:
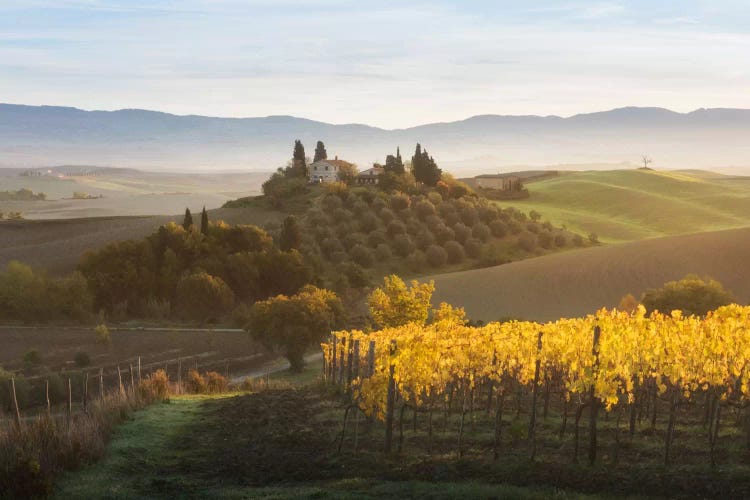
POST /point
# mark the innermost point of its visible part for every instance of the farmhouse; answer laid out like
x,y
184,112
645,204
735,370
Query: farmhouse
x,y
370,176
499,181
327,170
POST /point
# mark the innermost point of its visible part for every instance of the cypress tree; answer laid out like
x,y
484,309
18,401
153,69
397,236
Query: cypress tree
x,y
290,237
320,152
188,221
394,163
424,168
204,221
299,164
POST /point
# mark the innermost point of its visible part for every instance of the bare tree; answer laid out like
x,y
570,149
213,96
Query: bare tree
x,y
646,161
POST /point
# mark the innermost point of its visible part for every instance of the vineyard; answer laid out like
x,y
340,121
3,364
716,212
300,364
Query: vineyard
x,y
644,376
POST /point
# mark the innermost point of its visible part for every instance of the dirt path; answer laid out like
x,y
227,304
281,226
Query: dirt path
x,y
274,366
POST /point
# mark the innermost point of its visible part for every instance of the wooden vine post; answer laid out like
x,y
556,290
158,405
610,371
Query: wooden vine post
x,y
349,363
535,389
390,399
179,375
119,380
355,368
334,354
342,362
371,359
594,408
17,411
101,384
139,370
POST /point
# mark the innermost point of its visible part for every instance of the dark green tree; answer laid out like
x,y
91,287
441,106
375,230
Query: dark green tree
x,y
691,295
394,164
188,221
320,152
424,168
204,221
290,237
298,168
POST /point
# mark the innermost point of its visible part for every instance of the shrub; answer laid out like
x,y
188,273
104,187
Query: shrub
x,y
593,238
383,252
329,246
455,252
377,238
82,359
578,240
395,228
424,239
203,297
102,334
461,232
436,256
356,276
352,239
216,383
532,227
400,202
32,357
361,255
469,216
481,232
545,239
444,234
417,261
368,222
155,387
195,383
527,242
498,229
473,248
332,202
561,240
435,198
515,227
403,245
691,295
488,214
424,209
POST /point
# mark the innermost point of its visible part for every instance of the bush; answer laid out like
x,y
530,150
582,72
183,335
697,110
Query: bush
x,y
424,239
356,276
102,334
403,245
462,233
561,241
481,232
469,216
545,239
424,209
216,383
527,242
203,297
498,229
515,227
578,240
396,227
82,359
436,256
455,252
593,238
195,383
532,227
155,387
361,255
383,252
473,248
400,202
417,261
377,238
32,358
691,295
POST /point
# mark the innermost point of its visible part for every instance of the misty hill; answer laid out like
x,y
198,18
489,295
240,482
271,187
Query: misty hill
x,y
44,135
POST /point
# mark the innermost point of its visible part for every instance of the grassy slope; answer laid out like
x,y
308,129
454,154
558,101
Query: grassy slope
x,y
580,282
627,205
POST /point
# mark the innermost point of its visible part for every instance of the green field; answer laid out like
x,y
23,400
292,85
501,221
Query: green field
x,y
628,205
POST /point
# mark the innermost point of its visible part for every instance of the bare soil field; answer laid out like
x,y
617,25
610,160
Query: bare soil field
x,y
580,282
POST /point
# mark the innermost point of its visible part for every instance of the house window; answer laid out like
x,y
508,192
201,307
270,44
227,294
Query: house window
x,y
326,168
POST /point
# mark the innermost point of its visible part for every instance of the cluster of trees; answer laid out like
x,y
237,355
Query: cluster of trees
x,y
692,295
31,296
22,194
356,229
198,274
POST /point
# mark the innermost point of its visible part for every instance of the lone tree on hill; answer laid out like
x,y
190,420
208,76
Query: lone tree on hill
x,y
204,221
424,168
320,152
188,221
394,164
290,237
299,163
691,295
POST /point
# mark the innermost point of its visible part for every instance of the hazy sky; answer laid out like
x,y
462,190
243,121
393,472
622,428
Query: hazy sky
x,y
387,63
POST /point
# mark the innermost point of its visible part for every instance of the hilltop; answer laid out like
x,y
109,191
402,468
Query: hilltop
x,y
628,205
44,135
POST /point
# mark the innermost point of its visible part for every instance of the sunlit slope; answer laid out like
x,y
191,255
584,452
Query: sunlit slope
x,y
580,282
626,205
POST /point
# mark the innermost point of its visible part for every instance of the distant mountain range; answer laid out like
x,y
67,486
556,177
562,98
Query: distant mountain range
x,y
38,136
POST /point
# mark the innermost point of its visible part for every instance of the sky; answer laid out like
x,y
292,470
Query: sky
x,y
386,63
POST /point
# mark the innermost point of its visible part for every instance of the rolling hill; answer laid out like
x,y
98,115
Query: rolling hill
x,y
49,135
628,205
582,281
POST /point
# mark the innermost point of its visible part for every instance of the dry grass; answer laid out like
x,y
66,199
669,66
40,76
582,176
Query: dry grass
x,y
34,451
580,282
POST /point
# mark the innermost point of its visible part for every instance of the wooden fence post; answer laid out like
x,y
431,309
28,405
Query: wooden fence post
x,y
343,362
70,400
349,363
179,375
101,384
132,380
390,400
15,402
119,379
592,398
139,370
49,406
